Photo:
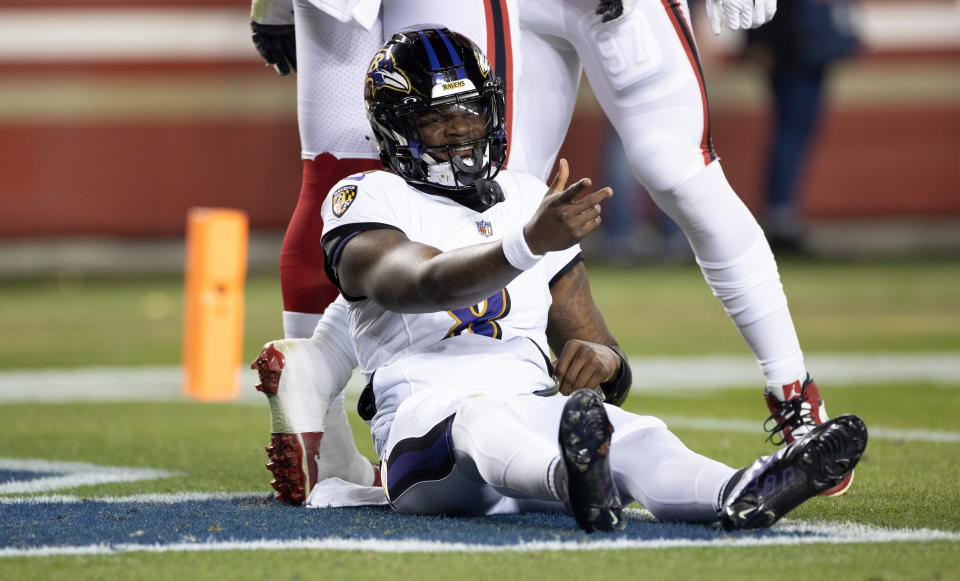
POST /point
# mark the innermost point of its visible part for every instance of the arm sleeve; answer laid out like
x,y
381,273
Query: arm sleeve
x,y
561,263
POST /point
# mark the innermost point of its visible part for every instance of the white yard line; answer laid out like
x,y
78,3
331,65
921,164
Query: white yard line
x,y
669,374
756,427
796,533
169,498
791,532
651,374
56,475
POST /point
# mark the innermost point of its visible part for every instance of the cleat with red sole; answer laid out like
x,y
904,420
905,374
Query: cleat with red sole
x,y
294,446
286,454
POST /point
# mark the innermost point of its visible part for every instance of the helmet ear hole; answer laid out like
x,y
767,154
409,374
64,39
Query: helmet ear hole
x,y
424,69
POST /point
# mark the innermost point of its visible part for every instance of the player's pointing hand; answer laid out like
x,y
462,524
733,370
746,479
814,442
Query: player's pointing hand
x,y
566,215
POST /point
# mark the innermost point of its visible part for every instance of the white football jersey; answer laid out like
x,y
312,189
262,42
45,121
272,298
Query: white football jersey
x,y
384,200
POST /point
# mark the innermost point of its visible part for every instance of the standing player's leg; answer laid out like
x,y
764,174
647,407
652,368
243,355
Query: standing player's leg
x,y
332,125
546,94
306,401
491,24
306,290
333,130
645,72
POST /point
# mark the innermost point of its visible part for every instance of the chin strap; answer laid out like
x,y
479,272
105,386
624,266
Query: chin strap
x,y
473,170
472,173
489,193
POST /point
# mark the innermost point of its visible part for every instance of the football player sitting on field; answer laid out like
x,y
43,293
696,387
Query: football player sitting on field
x,y
460,278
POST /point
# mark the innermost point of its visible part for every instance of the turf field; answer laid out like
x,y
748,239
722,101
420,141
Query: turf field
x,y
187,495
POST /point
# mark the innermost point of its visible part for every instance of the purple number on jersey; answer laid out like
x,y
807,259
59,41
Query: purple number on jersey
x,y
482,318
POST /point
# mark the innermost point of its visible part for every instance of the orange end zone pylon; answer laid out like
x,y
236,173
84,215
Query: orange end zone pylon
x,y
216,266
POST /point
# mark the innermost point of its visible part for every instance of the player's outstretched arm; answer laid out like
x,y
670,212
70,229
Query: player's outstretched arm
x,y
589,356
409,277
273,33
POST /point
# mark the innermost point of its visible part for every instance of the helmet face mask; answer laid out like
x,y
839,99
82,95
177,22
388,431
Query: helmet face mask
x,y
437,111
461,158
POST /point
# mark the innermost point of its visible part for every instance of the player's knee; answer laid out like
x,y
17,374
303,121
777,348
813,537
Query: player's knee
x,y
665,165
639,427
481,408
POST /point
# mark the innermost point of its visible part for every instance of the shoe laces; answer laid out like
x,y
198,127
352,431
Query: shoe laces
x,y
789,414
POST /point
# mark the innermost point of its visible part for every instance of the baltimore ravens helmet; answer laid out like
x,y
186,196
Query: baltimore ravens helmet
x,y
426,72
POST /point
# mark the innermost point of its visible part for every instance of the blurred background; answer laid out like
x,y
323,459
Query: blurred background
x,y
116,116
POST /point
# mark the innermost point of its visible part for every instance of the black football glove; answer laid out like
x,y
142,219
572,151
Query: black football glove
x,y
276,43
610,9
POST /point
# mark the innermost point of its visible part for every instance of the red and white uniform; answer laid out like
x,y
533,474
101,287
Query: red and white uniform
x,y
645,71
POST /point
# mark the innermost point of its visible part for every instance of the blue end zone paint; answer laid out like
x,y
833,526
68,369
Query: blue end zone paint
x,y
30,525
24,475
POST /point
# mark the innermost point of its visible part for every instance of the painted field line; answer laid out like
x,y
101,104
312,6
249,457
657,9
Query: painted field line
x,y
756,427
817,533
169,498
56,475
642,531
726,371
651,374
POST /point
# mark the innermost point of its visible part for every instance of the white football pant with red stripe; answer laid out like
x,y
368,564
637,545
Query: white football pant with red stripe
x,y
646,74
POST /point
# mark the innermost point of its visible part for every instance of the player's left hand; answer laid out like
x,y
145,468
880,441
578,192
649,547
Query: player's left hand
x,y
273,33
739,14
585,365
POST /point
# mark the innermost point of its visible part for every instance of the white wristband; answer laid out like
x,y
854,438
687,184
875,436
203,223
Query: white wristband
x,y
517,252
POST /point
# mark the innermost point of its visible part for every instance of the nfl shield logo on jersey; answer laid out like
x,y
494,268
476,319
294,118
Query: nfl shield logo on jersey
x,y
485,228
342,199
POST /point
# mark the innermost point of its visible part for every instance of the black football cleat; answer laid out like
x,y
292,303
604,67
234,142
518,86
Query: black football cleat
x,y
795,408
585,433
774,485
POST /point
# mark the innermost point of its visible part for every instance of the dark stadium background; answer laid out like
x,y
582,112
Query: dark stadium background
x,y
109,144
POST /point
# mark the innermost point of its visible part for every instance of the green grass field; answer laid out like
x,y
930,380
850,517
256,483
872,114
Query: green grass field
x,y
838,307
